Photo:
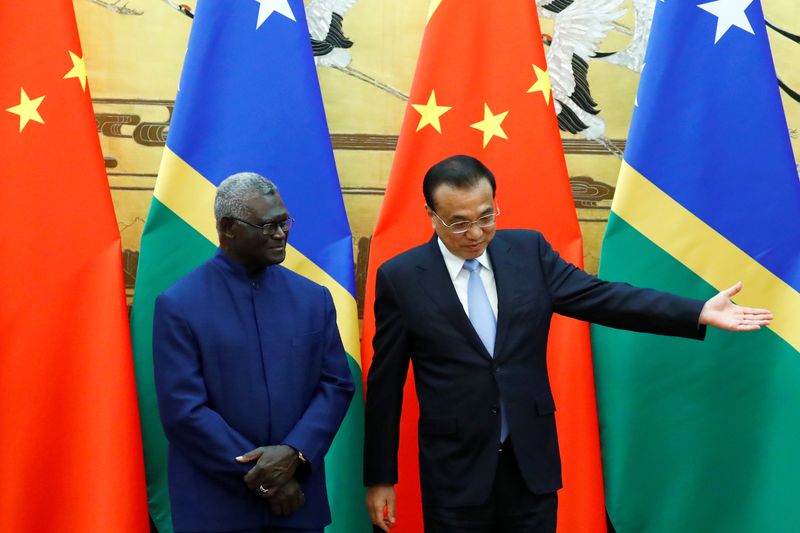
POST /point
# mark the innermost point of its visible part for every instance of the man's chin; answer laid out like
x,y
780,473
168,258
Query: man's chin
x,y
275,256
472,252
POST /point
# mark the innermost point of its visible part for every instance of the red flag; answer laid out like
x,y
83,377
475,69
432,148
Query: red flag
x,y
481,88
70,445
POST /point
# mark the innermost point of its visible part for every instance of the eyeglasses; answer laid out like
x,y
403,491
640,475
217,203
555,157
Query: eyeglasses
x,y
270,228
486,221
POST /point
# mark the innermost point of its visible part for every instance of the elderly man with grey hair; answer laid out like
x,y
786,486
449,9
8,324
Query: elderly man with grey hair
x,y
251,376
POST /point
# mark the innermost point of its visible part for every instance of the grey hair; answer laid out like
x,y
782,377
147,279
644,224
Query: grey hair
x,y
235,190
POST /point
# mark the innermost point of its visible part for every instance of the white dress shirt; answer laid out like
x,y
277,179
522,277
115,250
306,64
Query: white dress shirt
x,y
460,277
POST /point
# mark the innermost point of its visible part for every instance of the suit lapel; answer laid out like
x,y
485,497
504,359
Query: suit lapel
x,y
504,275
437,285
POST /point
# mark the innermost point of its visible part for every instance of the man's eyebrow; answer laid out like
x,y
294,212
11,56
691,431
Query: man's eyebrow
x,y
279,218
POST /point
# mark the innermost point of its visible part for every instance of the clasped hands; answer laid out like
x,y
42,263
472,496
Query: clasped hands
x,y
272,477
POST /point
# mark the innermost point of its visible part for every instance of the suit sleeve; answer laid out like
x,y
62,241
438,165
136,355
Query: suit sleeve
x,y
579,295
189,423
385,382
314,432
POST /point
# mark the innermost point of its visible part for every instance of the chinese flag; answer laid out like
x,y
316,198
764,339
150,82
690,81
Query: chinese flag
x,y
481,88
70,446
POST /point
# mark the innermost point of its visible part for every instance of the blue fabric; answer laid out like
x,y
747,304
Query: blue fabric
x,y
483,320
250,100
239,363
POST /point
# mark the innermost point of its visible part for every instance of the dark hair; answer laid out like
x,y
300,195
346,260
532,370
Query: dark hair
x,y
459,171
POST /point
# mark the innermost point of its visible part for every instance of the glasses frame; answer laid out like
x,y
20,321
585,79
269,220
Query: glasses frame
x,y
470,223
284,225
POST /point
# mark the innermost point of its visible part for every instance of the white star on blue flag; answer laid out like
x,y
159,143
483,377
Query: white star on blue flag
x,y
729,13
268,7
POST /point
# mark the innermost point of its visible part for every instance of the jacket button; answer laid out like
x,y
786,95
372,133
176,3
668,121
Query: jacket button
x,y
494,410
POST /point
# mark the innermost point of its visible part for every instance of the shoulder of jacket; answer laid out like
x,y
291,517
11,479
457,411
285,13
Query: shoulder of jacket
x,y
186,286
406,259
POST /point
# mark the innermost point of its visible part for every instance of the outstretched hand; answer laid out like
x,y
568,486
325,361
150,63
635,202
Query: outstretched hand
x,y
722,313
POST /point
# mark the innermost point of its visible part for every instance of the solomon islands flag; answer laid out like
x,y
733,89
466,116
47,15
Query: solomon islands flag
x,y
704,436
249,100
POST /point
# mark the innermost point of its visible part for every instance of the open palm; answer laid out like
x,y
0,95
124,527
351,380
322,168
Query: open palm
x,y
722,313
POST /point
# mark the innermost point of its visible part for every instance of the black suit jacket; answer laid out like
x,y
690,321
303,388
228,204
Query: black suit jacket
x,y
459,385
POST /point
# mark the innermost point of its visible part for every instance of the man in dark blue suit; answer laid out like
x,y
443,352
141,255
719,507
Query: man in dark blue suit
x,y
251,376
472,310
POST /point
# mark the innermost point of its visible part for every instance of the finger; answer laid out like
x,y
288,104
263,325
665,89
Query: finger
x,y
382,524
253,478
296,502
277,503
733,291
376,514
758,321
285,507
391,513
756,312
252,455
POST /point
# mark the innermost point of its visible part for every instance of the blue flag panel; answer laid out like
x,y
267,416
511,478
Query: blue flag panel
x,y
249,100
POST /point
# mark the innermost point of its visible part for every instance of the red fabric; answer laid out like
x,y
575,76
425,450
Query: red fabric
x,y
70,445
475,53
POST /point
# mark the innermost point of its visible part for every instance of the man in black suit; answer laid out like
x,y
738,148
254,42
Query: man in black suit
x,y
472,309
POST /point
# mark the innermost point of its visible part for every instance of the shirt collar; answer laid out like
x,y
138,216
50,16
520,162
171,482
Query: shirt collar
x,y
234,267
455,264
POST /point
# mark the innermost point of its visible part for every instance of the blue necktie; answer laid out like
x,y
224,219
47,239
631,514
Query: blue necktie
x,y
483,320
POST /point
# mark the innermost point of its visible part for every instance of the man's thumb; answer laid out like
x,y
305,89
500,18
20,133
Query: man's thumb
x,y
249,456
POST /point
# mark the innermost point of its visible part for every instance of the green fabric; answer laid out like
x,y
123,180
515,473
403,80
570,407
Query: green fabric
x,y
696,436
344,466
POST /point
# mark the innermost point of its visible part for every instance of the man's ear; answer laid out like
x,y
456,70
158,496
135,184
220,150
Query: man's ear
x,y
226,227
430,215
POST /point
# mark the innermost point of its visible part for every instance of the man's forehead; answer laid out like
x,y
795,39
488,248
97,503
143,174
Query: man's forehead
x,y
456,199
260,204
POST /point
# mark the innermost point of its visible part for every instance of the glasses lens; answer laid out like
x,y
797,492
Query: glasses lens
x,y
460,227
271,228
486,221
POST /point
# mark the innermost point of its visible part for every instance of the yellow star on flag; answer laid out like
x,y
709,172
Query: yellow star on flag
x,y
542,84
431,113
491,125
78,70
27,109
